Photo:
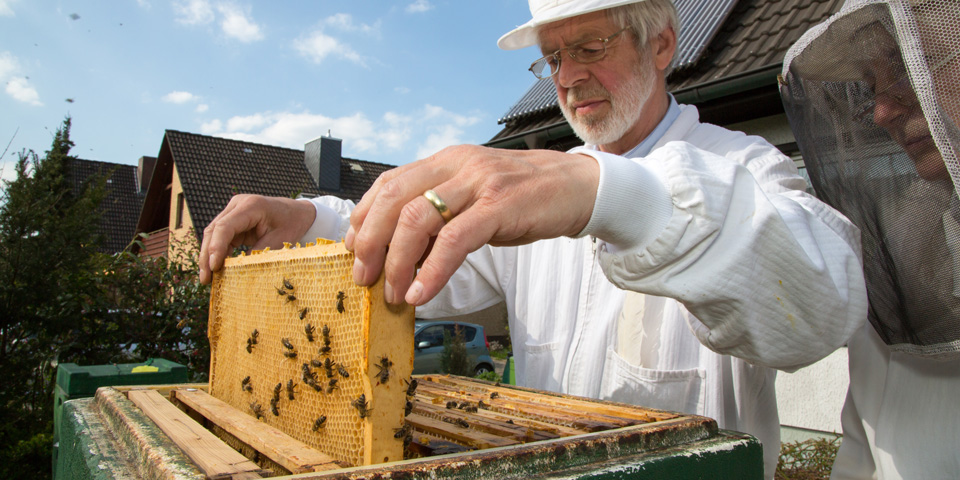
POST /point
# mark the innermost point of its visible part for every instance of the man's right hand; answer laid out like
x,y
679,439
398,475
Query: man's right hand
x,y
255,221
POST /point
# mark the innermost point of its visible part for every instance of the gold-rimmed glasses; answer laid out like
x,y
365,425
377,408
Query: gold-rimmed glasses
x,y
588,51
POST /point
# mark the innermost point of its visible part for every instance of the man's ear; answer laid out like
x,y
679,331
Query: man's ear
x,y
664,47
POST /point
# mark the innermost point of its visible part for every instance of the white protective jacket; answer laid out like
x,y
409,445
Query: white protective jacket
x,y
738,271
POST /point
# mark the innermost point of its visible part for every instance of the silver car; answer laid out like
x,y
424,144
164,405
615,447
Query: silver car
x,y
428,344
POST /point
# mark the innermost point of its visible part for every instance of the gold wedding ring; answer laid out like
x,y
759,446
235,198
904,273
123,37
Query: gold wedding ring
x,y
439,204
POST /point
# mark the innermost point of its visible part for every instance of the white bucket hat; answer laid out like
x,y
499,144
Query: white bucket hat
x,y
548,11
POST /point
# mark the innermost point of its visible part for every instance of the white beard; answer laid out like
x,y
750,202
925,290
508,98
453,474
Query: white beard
x,y
626,108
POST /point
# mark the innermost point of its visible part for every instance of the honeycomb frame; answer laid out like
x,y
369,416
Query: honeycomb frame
x,y
251,371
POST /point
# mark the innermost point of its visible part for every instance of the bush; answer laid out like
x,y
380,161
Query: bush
x,y
453,359
807,460
488,376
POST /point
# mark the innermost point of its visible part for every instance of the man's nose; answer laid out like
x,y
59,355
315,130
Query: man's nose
x,y
571,72
887,110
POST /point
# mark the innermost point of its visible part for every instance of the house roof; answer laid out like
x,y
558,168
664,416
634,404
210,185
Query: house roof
x,y
755,36
213,169
121,206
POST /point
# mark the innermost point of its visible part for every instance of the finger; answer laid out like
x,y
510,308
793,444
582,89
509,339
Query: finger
x,y
466,233
374,232
419,221
206,272
225,234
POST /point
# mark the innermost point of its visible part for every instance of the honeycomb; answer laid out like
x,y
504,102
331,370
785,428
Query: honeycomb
x,y
295,342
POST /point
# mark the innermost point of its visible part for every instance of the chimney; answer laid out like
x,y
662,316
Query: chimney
x,y
322,157
145,172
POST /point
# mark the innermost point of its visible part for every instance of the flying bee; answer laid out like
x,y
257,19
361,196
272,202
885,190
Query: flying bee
x,y
403,431
257,409
275,407
290,391
331,385
343,371
407,408
494,396
412,387
361,405
309,329
340,298
384,366
319,423
287,284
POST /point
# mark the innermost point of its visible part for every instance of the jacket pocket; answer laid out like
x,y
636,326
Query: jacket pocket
x,y
674,390
541,365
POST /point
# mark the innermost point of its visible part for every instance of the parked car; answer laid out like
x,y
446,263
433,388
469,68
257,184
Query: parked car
x,y
428,346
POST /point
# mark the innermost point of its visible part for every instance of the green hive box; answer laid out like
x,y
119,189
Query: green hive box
x,y
75,381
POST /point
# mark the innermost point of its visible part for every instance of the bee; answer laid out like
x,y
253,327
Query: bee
x,y
407,408
325,350
249,346
309,329
274,407
470,409
462,423
290,354
291,297
343,371
280,292
319,423
286,343
384,366
287,284
276,391
245,384
316,386
316,363
331,385
303,314
494,396
361,405
252,340
290,391
482,405
328,366
257,409
412,387
510,421
451,404
340,298
403,431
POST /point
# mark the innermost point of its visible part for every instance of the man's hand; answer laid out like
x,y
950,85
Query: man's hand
x,y
500,197
255,221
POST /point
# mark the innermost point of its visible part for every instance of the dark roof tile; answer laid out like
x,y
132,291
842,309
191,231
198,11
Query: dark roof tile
x,y
121,206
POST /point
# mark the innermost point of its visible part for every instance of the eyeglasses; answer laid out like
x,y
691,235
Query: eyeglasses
x,y
584,52
900,91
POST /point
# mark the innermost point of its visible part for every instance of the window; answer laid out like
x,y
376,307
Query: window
x,y
179,222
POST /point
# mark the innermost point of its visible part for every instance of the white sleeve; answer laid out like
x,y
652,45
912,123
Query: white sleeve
x,y
771,274
478,283
332,220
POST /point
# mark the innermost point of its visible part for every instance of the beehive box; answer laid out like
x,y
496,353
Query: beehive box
x,y
298,345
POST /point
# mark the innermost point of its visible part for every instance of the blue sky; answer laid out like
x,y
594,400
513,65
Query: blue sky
x,y
395,80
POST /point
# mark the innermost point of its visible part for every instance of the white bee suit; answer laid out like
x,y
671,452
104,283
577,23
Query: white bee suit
x,y
732,257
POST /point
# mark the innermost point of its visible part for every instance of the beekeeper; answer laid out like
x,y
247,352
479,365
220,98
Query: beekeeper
x,y
732,269
873,96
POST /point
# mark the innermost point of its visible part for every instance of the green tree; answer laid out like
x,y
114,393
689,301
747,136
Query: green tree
x,y
453,358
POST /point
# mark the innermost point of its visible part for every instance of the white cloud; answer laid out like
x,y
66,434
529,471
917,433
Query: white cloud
x,y
17,86
142,3
317,46
180,97
235,23
193,12
6,8
419,6
344,22
401,90
392,133
20,89
203,107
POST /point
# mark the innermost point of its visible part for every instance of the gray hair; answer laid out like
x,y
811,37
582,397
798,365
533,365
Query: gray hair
x,y
646,19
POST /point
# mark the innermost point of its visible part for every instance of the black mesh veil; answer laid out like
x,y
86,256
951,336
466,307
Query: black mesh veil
x,y
873,98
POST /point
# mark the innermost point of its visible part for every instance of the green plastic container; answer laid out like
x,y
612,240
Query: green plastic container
x,y
75,381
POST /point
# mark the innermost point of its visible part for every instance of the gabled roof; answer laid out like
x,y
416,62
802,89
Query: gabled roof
x,y
754,37
121,206
212,170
